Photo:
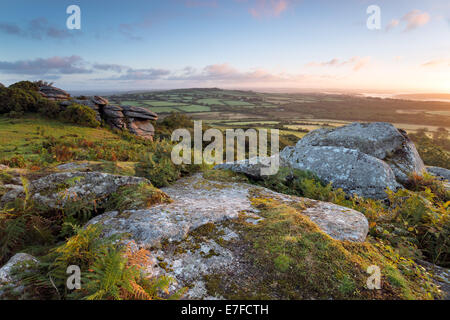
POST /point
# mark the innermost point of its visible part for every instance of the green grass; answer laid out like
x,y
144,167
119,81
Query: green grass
x,y
18,136
131,103
194,108
236,103
162,103
211,102
163,109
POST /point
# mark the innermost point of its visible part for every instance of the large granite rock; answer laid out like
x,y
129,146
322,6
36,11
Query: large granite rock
x,y
349,169
135,119
139,113
380,140
56,189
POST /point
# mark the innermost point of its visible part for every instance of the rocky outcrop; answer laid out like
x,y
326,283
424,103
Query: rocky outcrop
x,y
56,189
441,173
349,169
53,93
360,158
380,140
169,230
137,120
198,201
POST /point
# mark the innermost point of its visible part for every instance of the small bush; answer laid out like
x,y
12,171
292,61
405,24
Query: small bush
x,y
81,115
48,108
16,101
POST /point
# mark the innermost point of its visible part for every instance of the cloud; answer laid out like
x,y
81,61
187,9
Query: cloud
x,y
393,24
415,19
222,72
10,29
268,8
110,67
38,28
356,63
437,63
54,65
141,74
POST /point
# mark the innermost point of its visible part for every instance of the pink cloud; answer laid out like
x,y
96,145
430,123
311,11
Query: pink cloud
x,y
394,23
415,19
269,8
357,63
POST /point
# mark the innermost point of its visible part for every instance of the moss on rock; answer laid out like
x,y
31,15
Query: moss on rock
x,y
289,257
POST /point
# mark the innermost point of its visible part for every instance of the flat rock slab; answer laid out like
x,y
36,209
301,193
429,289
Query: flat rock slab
x,y
198,201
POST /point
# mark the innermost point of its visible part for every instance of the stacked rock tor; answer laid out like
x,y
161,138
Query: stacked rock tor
x,y
52,93
136,120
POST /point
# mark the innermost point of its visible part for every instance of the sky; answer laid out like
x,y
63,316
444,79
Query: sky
x,y
248,44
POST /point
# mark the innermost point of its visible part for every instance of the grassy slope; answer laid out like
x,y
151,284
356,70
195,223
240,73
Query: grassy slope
x,y
19,136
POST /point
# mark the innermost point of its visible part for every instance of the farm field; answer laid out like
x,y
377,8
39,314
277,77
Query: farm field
x,y
291,113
